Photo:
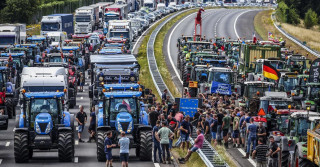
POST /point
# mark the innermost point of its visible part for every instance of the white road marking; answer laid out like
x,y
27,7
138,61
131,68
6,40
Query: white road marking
x,y
156,165
81,97
250,159
14,129
76,159
168,48
83,90
0,161
76,142
8,144
235,22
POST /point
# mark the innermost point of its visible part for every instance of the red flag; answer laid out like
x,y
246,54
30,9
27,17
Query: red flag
x,y
254,38
128,106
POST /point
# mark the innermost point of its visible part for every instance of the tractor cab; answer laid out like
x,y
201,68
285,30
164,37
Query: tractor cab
x,y
33,50
221,80
296,63
312,99
196,46
275,62
38,39
288,82
43,124
274,100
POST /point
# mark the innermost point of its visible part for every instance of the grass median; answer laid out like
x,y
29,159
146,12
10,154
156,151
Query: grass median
x,y
264,24
158,51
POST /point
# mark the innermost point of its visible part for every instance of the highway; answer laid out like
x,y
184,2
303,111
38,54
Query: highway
x,y
233,23
227,23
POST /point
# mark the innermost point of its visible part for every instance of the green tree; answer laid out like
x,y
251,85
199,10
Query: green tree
x,y
293,17
282,11
310,19
19,11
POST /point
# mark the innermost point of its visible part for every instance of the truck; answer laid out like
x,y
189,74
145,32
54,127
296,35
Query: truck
x,y
86,19
151,4
101,6
161,6
56,38
57,23
120,29
117,11
11,34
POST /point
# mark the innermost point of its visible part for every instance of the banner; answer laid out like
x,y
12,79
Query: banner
x,y
221,88
314,71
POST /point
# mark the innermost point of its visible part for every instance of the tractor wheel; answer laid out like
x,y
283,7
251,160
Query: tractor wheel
x,y
285,158
184,79
138,151
21,149
65,147
101,155
193,92
30,153
145,146
10,108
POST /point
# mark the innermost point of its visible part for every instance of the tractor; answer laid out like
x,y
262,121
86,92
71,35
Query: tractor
x,y
43,124
296,63
121,112
312,97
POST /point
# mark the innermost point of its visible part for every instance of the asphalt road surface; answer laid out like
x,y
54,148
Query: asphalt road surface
x,y
227,23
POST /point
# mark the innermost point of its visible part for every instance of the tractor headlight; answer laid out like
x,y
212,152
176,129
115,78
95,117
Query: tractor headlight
x,y
119,127
132,79
38,128
130,127
48,129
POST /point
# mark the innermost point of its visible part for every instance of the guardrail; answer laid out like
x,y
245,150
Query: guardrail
x,y
292,38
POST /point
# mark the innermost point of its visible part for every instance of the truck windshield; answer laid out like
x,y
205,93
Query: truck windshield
x,y
222,77
119,34
118,105
43,88
111,17
82,18
50,27
290,84
7,40
55,59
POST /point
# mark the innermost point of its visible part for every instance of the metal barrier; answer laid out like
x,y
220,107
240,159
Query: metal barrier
x,y
295,40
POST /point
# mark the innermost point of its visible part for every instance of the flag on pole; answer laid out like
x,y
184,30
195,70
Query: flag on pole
x,y
270,72
254,38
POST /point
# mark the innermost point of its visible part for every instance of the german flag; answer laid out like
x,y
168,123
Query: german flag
x,y
270,72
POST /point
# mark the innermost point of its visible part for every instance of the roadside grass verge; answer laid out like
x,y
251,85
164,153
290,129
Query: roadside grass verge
x,y
194,160
309,35
263,24
158,51
35,29
145,75
226,157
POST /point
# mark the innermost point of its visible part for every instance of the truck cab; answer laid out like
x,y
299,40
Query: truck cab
x,y
56,38
120,29
57,23
86,19
11,34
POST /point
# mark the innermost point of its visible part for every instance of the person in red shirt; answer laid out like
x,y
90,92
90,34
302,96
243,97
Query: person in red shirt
x,y
197,144
3,96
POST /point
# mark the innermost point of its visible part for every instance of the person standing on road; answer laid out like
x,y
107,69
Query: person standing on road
x,y
252,137
92,127
235,134
214,126
164,95
261,152
124,144
197,144
219,131
163,136
225,128
273,154
262,133
242,127
185,131
153,117
82,81
81,118
108,148
156,143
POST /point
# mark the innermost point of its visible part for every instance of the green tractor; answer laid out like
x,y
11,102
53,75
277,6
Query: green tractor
x,y
296,63
313,97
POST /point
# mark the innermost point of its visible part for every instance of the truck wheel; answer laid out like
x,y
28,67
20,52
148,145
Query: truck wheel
x,y
101,155
21,150
10,108
65,147
285,158
145,145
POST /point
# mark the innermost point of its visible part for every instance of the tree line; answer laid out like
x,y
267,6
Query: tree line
x,y
291,11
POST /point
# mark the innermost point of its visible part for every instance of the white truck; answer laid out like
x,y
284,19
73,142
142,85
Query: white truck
x,y
101,6
11,34
57,38
47,79
117,11
151,4
161,6
58,23
120,29
86,19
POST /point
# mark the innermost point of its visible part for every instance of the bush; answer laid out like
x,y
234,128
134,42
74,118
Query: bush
x,y
310,19
293,17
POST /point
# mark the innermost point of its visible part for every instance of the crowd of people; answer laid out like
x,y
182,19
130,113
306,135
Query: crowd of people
x,y
218,121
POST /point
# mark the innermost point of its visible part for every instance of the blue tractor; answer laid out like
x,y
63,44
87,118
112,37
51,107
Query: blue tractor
x,y
121,111
43,124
